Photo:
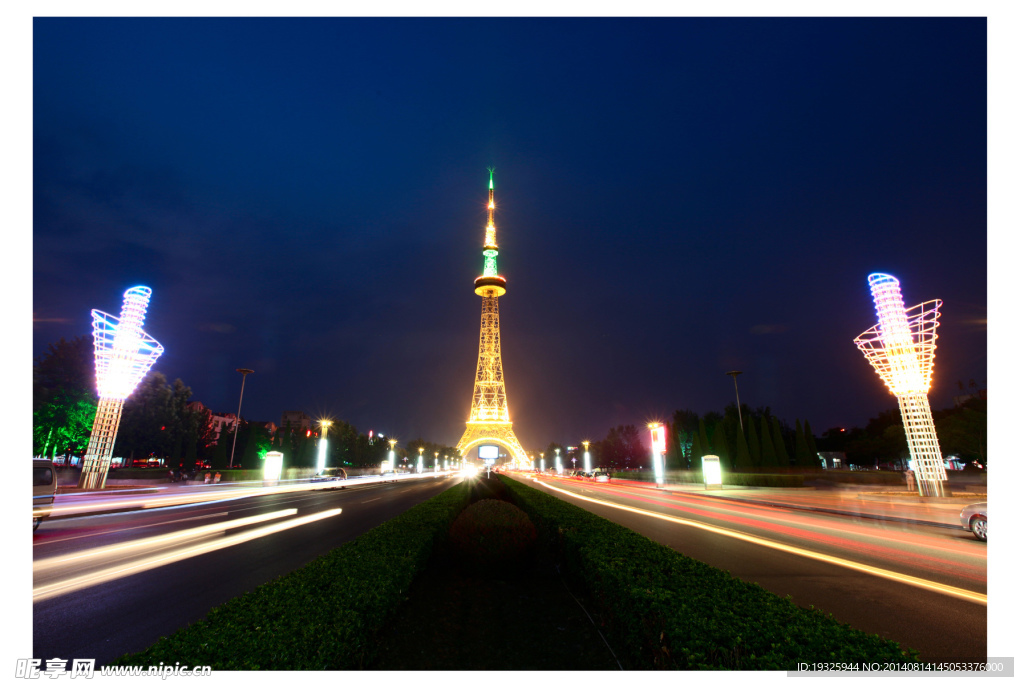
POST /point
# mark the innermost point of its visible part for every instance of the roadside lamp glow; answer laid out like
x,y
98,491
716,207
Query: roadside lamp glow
x,y
419,462
436,454
558,461
586,457
712,469
272,464
124,354
391,454
542,463
901,348
657,450
321,456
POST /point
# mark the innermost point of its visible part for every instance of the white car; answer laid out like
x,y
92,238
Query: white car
x,y
975,518
44,488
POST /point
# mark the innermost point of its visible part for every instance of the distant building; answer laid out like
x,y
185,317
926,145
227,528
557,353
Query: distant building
x,y
270,427
223,422
298,419
833,460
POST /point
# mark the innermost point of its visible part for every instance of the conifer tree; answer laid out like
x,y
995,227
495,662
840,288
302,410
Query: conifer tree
x,y
720,446
753,445
768,458
812,445
705,445
781,454
742,453
799,447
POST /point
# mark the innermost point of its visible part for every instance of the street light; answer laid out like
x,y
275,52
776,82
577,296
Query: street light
x,y
558,461
586,457
542,463
238,418
436,454
391,454
734,374
321,458
657,449
419,462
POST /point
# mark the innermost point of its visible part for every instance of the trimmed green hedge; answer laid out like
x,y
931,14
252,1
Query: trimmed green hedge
x,y
323,616
665,610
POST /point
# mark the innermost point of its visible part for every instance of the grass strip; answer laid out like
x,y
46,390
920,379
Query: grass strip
x,y
665,610
323,616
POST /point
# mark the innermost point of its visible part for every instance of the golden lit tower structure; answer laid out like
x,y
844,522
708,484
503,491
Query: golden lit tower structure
x,y
901,348
489,421
124,354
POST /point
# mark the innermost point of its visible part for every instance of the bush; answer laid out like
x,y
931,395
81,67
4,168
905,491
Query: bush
x,y
492,537
744,479
324,616
665,610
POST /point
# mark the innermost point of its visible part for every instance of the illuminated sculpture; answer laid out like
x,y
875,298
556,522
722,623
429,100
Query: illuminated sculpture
x,y
657,451
124,354
321,456
488,417
901,348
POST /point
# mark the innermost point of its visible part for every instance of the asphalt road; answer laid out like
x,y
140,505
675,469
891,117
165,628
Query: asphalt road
x,y
132,606
903,581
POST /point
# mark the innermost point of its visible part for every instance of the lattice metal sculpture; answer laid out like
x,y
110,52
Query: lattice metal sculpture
x,y
489,420
901,348
124,354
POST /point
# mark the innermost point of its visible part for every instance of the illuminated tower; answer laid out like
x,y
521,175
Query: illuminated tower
x,y
901,348
124,354
489,420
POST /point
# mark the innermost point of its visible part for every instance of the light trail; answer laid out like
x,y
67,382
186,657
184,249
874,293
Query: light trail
x,y
90,579
852,565
218,494
159,541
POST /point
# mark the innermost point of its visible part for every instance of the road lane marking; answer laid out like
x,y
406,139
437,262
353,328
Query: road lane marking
x,y
376,499
860,567
90,579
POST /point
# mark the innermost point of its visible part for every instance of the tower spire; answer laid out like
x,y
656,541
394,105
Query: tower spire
x,y
489,283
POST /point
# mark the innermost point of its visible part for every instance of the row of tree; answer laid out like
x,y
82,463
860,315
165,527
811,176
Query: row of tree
x,y
157,421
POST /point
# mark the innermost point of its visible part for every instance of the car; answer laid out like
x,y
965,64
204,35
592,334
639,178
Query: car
x,y
331,475
602,476
975,519
44,488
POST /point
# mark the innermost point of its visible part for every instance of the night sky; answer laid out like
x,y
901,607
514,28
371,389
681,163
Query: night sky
x,y
676,198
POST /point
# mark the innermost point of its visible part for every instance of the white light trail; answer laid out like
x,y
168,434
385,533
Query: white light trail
x,y
115,572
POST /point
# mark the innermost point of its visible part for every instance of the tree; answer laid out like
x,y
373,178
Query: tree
x,y
769,459
780,447
63,423
800,446
696,451
720,446
743,461
705,445
753,445
812,445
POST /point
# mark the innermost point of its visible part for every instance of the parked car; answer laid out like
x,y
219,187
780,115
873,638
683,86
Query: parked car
x,y
975,518
331,475
44,488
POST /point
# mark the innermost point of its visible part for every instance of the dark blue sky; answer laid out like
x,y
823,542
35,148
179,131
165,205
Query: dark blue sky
x,y
676,198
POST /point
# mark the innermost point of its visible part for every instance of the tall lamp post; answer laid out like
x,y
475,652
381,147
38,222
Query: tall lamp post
x,y
391,454
436,454
419,462
657,451
321,458
586,457
558,461
734,374
542,463
238,418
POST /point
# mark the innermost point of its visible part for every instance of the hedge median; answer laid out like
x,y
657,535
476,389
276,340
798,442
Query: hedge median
x,y
323,616
665,610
